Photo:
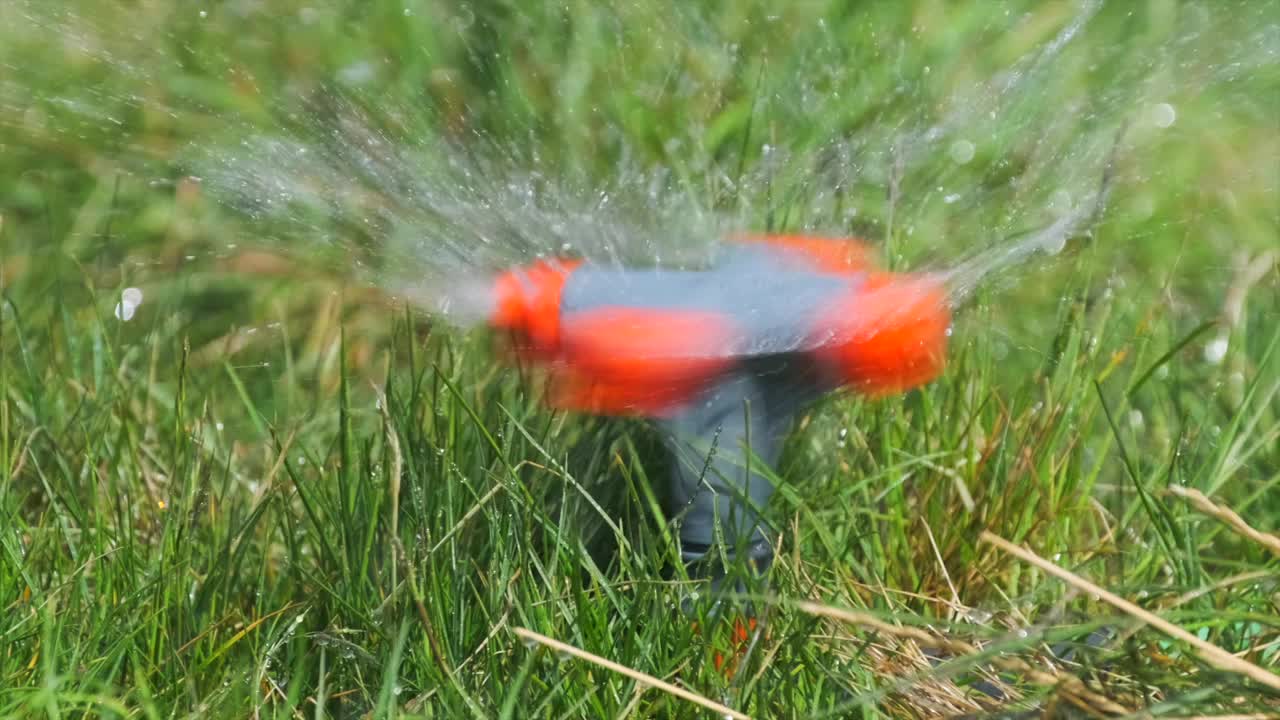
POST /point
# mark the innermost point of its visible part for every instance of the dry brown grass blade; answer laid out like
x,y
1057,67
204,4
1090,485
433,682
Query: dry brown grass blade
x,y
1209,652
1254,716
397,459
636,675
1072,688
1227,516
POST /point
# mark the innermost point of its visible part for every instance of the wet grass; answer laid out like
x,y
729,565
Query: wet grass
x,y
270,493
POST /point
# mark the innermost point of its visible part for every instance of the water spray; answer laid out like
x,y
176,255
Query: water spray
x,y
722,359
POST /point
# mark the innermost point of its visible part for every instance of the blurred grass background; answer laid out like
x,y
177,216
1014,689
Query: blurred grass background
x,y
203,512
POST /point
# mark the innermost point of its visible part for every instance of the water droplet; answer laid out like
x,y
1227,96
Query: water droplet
x,y
979,617
357,73
1163,115
962,151
1136,420
219,426
1215,351
130,299
204,14
951,198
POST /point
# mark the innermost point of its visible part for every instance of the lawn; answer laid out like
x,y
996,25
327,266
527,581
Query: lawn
x,y
241,475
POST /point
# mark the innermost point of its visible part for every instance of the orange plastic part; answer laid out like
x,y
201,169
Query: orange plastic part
x,y
619,361
832,255
527,303
888,335
739,640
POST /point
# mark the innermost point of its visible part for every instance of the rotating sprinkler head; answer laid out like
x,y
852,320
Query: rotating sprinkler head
x,y
722,359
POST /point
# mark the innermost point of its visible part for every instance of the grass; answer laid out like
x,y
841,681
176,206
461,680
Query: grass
x,y
274,493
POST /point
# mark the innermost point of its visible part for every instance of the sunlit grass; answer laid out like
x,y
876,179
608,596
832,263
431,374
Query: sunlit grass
x,y
196,505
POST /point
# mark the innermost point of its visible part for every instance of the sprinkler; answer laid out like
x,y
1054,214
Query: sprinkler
x,y
721,360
